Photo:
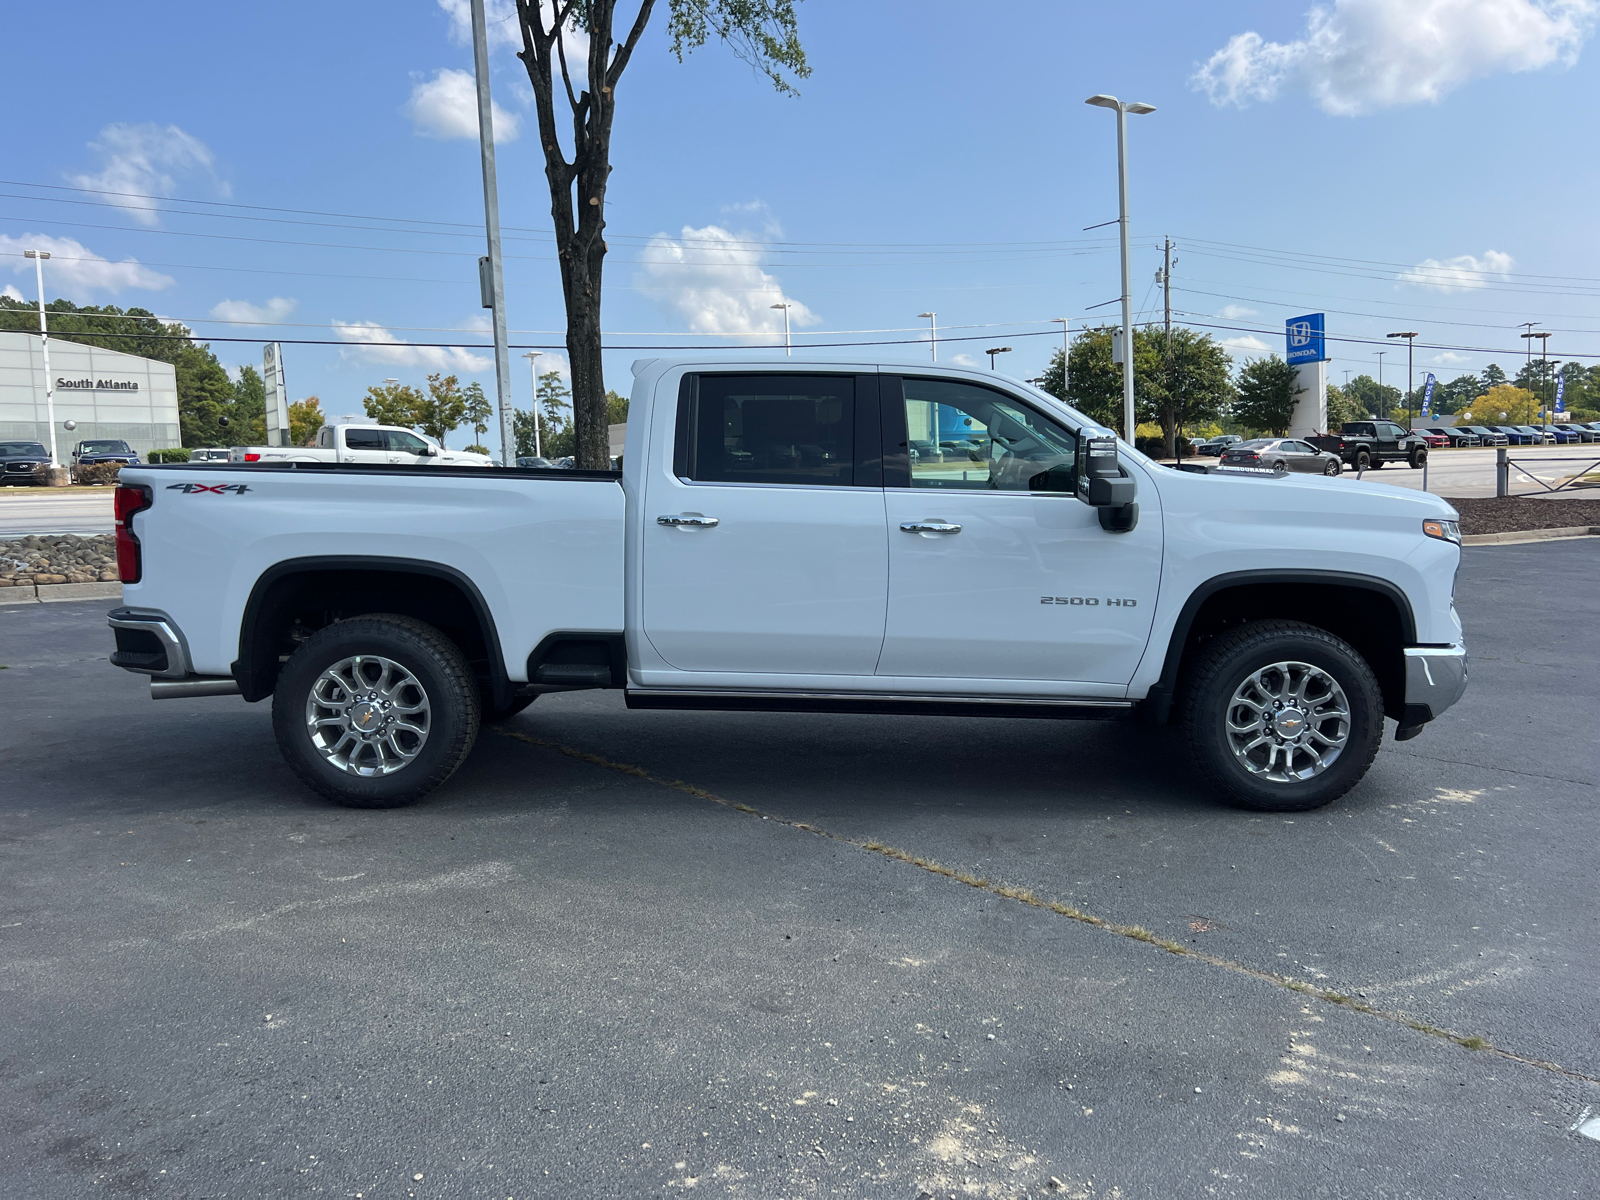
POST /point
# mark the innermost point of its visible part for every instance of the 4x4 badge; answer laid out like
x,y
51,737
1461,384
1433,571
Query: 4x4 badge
x,y
189,489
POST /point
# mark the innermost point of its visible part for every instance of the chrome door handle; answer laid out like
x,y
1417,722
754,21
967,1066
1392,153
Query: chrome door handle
x,y
692,522
929,527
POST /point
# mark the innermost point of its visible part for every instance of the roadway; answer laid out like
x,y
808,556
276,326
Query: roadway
x,y
578,970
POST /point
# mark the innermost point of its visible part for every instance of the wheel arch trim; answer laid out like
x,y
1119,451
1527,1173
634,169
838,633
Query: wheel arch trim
x,y
243,668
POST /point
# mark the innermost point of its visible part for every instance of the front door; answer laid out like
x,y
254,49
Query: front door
x,y
764,549
991,577
407,448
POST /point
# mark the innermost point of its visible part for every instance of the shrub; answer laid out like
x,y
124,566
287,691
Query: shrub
x,y
178,454
477,449
99,474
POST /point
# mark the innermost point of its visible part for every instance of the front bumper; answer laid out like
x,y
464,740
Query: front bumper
x,y
1436,677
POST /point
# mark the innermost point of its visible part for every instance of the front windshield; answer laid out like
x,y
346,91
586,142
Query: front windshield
x,y
21,450
105,448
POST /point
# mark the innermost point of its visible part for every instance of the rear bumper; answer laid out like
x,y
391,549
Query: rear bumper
x,y
1436,677
149,642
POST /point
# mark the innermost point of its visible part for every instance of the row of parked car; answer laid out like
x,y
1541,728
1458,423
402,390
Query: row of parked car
x,y
1512,435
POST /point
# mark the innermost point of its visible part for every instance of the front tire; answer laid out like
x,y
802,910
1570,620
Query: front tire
x,y
1332,467
1281,716
375,712
1418,457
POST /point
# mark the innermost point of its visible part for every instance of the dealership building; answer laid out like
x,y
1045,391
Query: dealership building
x,y
107,394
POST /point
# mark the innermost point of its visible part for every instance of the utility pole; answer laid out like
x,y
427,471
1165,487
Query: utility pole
x,y
787,347
1411,340
490,279
38,257
533,361
1166,291
1383,401
933,327
1066,354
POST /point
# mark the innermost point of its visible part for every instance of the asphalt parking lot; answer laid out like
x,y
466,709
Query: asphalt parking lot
x,y
580,970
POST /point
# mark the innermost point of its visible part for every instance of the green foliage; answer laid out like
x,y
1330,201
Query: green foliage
x,y
476,413
1342,407
178,454
1492,377
616,408
247,424
1520,406
443,407
1267,393
556,436
762,33
305,418
1185,381
1093,383
477,448
1370,399
393,404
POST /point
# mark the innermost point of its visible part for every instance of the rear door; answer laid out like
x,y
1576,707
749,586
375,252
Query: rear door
x,y
364,445
990,579
764,550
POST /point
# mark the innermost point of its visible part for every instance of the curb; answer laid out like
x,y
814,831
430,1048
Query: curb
x,y
1517,537
57,593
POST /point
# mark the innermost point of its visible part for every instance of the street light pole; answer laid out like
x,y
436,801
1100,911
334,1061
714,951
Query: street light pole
x,y
38,257
533,361
1381,399
1066,352
496,289
787,348
1544,384
933,325
1122,110
993,350
1411,340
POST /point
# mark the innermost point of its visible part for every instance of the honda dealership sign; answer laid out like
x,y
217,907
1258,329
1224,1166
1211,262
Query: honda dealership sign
x,y
277,395
1304,339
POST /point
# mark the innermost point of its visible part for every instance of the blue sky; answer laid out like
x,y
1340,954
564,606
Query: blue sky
x,y
1400,164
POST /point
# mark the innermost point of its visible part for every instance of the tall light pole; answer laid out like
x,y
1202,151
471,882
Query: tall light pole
x,y
1122,110
993,350
1411,340
933,325
1544,386
787,348
491,280
1380,413
38,257
533,361
1066,350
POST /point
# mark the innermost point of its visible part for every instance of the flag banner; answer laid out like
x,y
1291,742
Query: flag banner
x,y
1561,390
1427,396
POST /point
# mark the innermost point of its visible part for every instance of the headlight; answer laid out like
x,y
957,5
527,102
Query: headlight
x,y
1445,531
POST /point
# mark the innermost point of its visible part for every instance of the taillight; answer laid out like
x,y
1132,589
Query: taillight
x,y
252,458
128,500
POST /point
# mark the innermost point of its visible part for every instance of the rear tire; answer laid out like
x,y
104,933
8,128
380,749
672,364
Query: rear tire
x,y
1363,461
375,712
1264,704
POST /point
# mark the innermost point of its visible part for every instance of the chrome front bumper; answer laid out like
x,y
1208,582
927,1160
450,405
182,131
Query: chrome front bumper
x,y
1436,676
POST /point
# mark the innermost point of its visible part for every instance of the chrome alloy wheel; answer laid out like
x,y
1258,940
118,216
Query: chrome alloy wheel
x,y
1288,721
368,715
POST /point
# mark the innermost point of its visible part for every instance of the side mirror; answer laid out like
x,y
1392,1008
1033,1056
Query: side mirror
x,y
430,452
1104,484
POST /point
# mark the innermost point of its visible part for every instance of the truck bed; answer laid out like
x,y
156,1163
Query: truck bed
x,y
543,549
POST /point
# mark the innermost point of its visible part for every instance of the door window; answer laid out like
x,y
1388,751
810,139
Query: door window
x,y
796,429
965,437
405,443
364,439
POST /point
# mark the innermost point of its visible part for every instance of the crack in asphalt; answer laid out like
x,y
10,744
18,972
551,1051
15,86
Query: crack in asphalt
x,y
1026,896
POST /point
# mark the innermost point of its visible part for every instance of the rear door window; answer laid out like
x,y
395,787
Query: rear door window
x,y
772,429
364,439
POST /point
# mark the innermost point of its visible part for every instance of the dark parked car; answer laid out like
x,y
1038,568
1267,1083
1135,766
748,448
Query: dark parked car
x,y
1487,436
1515,435
1563,435
88,454
18,459
1287,454
535,461
1579,431
1214,447
1454,435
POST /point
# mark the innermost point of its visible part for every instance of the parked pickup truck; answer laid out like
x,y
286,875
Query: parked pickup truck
x,y
770,543
1366,445
389,445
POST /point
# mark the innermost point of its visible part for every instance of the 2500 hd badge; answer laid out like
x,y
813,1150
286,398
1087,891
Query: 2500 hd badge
x,y
1090,601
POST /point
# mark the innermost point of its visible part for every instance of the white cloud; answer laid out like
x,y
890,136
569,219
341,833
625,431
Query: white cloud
x,y
242,312
147,161
1449,358
1358,56
1235,312
10,292
963,360
713,280
1459,274
1246,346
389,350
446,107
76,272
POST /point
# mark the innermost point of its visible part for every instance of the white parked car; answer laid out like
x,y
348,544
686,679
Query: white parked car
x,y
770,543
388,445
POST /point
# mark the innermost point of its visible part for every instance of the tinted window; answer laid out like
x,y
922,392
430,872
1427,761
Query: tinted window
x,y
364,439
774,429
405,443
967,437
22,450
104,448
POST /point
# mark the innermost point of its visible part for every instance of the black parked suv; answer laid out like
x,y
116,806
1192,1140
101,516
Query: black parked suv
x,y
17,461
106,450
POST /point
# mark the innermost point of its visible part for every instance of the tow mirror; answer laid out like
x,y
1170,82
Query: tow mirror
x,y
1104,484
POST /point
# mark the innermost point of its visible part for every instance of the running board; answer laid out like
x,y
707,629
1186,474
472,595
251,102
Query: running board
x,y
851,702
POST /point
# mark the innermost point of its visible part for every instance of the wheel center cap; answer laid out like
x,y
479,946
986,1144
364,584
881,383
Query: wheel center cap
x,y
1290,723
365,717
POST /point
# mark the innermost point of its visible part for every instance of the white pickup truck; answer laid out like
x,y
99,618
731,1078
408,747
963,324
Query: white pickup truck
x,y
825,536
390,445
